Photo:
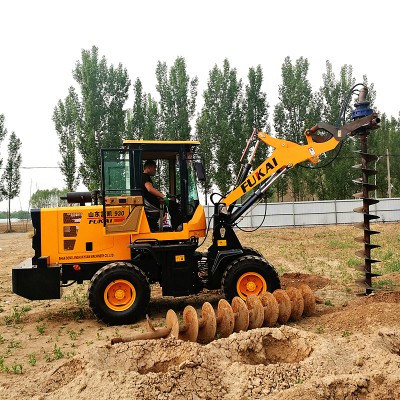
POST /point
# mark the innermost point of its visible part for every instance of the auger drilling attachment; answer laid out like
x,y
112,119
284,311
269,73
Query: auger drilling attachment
x,y
361,110
256,312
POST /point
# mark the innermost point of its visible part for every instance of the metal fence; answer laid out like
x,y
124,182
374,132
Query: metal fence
x,y
309,213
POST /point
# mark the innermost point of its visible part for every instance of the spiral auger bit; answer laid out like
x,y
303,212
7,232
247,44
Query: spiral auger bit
x,y
362,110
264,311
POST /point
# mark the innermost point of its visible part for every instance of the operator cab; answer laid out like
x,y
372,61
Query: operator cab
x,y
122,169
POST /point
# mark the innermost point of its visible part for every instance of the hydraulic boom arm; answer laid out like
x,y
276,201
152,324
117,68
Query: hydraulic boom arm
x,y
287,154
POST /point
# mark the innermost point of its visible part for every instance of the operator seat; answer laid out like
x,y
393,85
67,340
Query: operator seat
x,y
152,214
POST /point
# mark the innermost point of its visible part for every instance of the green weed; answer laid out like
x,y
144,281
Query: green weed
x,y
320,329
32,359
41,328
47,357
17,368
57,352
3,366
72,334
14,344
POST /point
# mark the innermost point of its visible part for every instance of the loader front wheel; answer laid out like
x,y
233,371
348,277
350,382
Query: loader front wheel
x,y
248,275
119,293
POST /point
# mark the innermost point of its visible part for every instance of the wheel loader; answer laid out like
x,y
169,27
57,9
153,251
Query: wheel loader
x,y
105,237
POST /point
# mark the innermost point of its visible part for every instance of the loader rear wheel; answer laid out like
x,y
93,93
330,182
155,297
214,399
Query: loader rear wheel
x,y
249,275
119,293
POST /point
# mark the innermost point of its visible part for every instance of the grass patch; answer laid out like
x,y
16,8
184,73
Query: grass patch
x,y
354,262
16,316
338,244
384,284
392,267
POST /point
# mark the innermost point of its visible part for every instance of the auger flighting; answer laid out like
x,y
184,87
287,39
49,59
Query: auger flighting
x,y
264,311
362,110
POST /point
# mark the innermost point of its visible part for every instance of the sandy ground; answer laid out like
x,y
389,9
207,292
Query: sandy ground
x,y
349,350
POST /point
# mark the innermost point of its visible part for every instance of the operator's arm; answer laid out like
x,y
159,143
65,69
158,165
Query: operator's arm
x,y
152,190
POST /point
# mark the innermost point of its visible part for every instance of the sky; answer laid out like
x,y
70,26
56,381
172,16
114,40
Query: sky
x,y
41,40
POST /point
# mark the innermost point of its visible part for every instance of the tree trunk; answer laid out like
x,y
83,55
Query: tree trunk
x,y
9,216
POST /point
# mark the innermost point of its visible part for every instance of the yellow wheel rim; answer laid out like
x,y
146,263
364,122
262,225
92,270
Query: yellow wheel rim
x,y
119,295
250,283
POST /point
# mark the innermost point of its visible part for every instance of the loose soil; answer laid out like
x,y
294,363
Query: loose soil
x,y
350,349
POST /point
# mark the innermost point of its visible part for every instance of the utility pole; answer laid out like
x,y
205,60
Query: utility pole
x,y
388,174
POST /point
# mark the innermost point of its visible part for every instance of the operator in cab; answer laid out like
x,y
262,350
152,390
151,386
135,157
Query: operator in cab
x,y
156,198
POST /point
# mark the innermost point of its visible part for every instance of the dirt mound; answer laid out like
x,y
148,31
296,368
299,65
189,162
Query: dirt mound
x,y
381,297
296,279
281,363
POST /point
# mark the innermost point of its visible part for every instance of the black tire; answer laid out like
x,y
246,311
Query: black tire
x,y
256,271
249,251
119,293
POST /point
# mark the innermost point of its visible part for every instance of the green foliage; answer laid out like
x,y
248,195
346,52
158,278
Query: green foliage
x,y
297,109
32,359
41,328
15,214
48,198
220,126
11,179
333,92
255,110
16,315
94,117
57,352
177,100
335,179
17,368
3,133
143,119
93,120
385,143
384,284
65,117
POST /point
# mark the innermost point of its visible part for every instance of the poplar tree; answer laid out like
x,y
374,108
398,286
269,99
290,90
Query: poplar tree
x,y
143,118
101,118
255,109
385,143
335,179
11,178
296,110
220,126
65,118
334,173
3,133
177,103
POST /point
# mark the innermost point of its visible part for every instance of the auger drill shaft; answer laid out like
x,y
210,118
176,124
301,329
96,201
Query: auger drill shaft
x,y
361,110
